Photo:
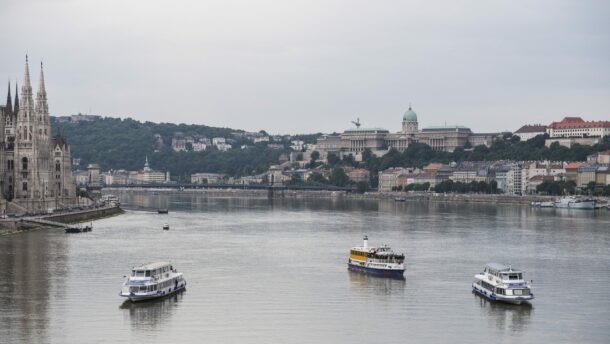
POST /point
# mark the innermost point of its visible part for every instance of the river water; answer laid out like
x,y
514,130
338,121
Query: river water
x,y
274,271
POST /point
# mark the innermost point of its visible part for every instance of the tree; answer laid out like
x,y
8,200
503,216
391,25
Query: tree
x,y
296,179
338,177
362,187
315,155
332,159
317,178
591,187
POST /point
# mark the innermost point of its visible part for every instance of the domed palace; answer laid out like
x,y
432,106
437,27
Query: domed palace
x,y
409,122
356,140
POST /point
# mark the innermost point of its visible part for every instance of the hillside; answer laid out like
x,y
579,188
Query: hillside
x,y
116,143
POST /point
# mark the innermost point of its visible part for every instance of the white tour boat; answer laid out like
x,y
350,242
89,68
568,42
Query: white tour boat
x,y
499,282
379,261
152,281
572,202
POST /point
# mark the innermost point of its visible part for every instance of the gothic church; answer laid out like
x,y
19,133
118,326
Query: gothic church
x,y
35,167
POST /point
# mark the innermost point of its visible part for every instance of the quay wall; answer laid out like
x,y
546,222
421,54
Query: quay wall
x,y
15,225
84,215
307,194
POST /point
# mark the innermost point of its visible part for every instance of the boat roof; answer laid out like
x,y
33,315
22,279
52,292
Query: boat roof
x,y
151,266
501,267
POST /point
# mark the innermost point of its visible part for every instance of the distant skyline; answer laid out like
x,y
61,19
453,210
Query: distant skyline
x,y
305,67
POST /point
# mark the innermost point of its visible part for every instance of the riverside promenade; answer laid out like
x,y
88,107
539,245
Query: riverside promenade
x,y
11,225
307,194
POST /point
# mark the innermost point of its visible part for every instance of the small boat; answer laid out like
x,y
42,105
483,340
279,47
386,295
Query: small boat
x,y
543,204
573,202
379,261
76,229
166,227
499,282
162,211
73,230
111,199
400,199
152,281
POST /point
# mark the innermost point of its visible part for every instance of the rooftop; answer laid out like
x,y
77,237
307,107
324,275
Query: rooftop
x,y
578,123
446,128
500,267
366,130
535,128
151,266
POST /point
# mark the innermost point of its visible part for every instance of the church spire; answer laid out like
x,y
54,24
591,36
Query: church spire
x,y
41,97
16,108
41,88
26,78
26,89
9,101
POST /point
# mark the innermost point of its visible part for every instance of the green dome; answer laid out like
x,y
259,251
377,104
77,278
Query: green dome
x,y
410,115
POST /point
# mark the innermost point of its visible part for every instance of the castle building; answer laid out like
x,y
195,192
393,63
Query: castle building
x,y
35,170
380,141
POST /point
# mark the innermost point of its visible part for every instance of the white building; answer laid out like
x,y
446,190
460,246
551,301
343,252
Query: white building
x,y
199,146
571,127
206,178
527,132
513,180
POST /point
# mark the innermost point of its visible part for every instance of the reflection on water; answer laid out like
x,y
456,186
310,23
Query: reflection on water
x,y
149,315
364,283
274,271
505,316
32,270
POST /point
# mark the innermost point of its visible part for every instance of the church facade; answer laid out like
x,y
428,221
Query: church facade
x,y
35,166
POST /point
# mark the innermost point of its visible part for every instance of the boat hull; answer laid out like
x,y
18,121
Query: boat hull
x,y
389,273
516,300
576,205
140,298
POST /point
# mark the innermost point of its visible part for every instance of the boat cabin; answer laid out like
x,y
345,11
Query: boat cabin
x,y
151,270
503,272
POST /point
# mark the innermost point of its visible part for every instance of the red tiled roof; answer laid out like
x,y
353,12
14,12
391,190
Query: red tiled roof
x,y
577,122
574,165
536,128
433,166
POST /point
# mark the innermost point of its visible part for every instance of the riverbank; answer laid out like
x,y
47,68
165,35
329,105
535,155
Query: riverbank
x,y
307,194
16,225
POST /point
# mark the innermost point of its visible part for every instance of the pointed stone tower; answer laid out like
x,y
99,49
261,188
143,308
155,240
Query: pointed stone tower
x,y
9,101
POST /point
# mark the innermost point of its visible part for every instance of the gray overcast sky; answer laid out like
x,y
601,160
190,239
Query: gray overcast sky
x,y
308,66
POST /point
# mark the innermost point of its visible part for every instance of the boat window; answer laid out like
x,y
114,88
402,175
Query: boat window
x,y
513,276
142,288
133,272
521,291
139,273
147,273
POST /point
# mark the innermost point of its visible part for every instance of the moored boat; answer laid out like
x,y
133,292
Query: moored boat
x,y
573,202
162,211
379,261
152,281
166,227
499,282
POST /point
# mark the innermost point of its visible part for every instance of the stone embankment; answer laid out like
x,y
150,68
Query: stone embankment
x,y
307,194
16,225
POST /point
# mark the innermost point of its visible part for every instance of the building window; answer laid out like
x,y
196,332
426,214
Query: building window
x,y
57,167
25,187
24,163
